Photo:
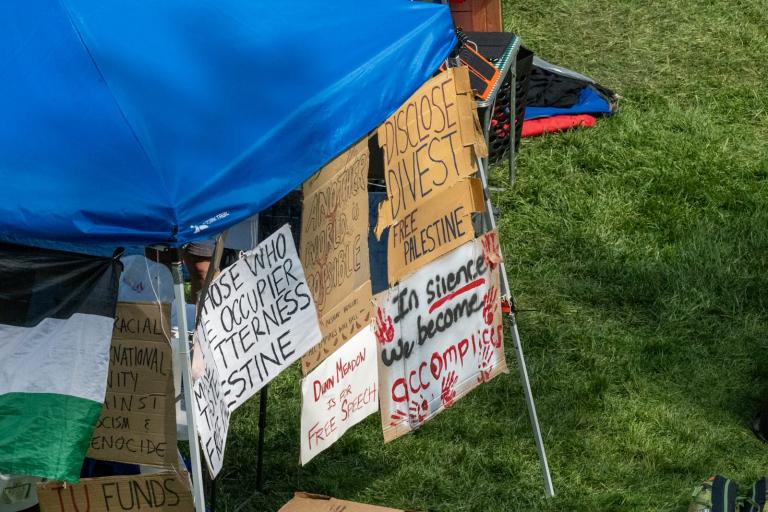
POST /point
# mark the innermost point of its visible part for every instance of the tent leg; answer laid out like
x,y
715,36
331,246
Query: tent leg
x,y
522,369
186,375
262,434
490,223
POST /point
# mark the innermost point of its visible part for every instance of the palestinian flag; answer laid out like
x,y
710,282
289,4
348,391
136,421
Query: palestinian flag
x,y
56,316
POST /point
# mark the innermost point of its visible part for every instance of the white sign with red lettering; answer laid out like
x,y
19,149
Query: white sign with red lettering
x,y
340,393
440,335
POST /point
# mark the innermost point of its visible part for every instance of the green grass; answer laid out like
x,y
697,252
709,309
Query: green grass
x,y
638,251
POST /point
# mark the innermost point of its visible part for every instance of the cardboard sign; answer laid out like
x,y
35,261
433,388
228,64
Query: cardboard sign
x,y
138,418
338,394
211,410
440,335
434,228
334,247
334,228
340,324
164,491
429,143
259,317
305,502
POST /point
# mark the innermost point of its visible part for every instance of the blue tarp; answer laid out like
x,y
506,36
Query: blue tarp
x,y
590,102
128,122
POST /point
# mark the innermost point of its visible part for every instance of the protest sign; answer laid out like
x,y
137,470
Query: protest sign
x,y
306,502
432,229
339,324
138,418
338,394
334,246
440,335
429,144
259,317
163,491
211,410
334,228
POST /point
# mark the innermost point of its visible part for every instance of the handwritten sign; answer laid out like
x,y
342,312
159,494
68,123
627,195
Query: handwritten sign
x,y
334,245
259,317
429,143
211,409
137,422
339,324
434,228
338,394
163,491
440,335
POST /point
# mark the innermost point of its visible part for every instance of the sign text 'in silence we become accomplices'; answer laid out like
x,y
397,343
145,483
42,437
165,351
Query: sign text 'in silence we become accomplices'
x,y
338,394
259,317
429,143
440,335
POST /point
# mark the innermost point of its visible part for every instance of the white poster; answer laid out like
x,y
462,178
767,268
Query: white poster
x,y
338,394
259,317
211,410
440,335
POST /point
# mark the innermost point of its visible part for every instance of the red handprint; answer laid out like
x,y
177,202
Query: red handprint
x,y
448,394
384,330
417,411
397,417
485,364
491,250
489,304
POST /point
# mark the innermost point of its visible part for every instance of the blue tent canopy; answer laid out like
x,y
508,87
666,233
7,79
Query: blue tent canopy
x,y
135,123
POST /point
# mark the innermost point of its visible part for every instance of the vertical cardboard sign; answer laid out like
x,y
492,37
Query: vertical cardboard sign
x,y
334,247
434,228
338,394
164,491
259,317
440,335
211,410
429,143
138,418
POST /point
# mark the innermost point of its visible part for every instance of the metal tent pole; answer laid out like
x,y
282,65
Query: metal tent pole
x,y
506,292
186,378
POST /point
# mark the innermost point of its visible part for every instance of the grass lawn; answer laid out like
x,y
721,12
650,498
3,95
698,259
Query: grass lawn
x,y
638,253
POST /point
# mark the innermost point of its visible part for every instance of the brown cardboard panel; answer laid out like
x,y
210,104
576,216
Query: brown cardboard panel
x,y
137,422
142,321
434,228
305,502
428,144
339,324
334,233
164,491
